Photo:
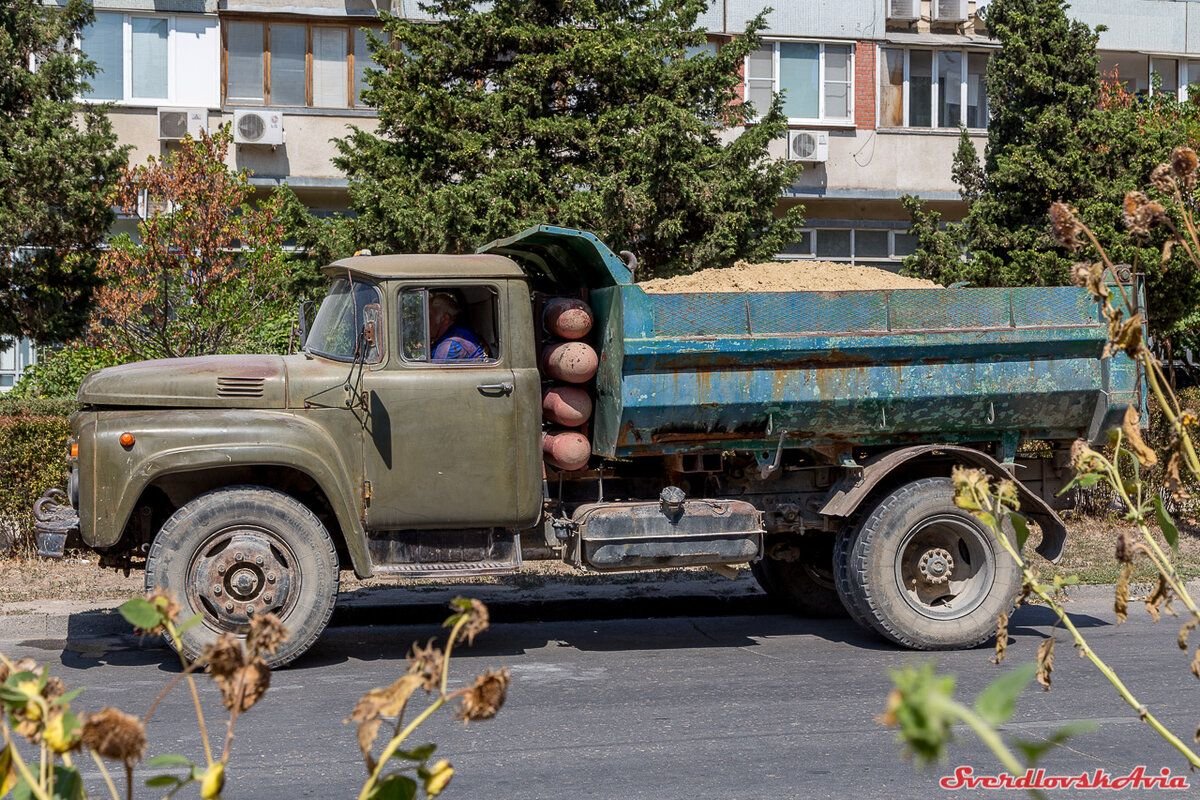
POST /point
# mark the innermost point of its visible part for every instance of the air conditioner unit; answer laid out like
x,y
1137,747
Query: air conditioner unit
x,y
904,10
812,146
175,123
950,10
257,126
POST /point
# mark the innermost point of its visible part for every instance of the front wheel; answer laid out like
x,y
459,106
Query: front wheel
x,y
924,573
234,553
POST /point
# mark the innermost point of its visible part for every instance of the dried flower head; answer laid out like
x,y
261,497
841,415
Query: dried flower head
x,y
246,686
1065,224
115,735
54,688
1184,163
265,635
473,616
382,702
223,657
1006,493
1141,213
1085,460
426,663
1123,553
1162,178
486,696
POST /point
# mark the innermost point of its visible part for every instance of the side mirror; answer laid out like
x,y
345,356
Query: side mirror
x,y
372,318
302,321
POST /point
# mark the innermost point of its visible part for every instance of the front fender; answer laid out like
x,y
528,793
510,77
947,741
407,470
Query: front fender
x,y
853,490
322,445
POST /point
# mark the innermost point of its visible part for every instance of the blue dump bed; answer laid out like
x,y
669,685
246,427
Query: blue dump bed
x,y
700,372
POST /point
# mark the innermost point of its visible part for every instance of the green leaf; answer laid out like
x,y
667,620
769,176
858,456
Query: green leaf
x,y
1033,751
188,624
1021,529
1170,532
998,701
1089,480
69,696
141,613
169,760
394,787
163,781
67,783
421,753
22,791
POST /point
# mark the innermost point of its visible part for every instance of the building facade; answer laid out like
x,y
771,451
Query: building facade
x,y
876,91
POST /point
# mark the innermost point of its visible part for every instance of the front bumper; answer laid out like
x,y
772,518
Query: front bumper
x,y
54,520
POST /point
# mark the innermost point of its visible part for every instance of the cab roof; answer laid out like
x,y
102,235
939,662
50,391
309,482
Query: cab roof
x,y
436,265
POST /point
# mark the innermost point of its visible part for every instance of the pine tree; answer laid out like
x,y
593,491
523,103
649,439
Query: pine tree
x,y
57,159
591,114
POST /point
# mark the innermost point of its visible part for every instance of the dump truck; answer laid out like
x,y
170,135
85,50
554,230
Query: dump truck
x,y
810,435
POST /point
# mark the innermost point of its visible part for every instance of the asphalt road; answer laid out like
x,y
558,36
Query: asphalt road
x,y
658,699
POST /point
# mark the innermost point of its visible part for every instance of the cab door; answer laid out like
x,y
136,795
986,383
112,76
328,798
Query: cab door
x,y
444,441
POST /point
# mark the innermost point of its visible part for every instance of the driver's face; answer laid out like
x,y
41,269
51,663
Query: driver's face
x,y
439,322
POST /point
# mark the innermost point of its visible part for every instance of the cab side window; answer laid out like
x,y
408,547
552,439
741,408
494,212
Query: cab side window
x,y
450,325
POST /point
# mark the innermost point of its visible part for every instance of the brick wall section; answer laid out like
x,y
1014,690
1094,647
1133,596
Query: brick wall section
x,y
864,86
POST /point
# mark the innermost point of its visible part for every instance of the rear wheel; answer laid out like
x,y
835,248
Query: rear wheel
x,y
924,573
243,551
796,572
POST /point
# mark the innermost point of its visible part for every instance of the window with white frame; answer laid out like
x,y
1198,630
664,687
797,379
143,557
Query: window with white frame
x,y
941,88
136,55
881,246
813,77
132,55
15,358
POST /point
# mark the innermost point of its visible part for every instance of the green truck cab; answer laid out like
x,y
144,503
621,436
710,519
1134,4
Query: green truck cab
x,y
809,434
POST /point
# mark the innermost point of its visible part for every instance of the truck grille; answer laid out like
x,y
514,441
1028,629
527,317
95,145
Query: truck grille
x,y
239,387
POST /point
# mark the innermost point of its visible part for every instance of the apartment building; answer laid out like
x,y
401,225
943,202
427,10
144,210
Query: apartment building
x,y
875,91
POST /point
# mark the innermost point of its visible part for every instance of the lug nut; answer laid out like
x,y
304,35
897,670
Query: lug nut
x,y
259,561
216,590
268,598
229,606
237,556
270,577
249,610
221,568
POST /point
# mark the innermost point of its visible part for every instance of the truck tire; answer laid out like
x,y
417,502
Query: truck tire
x,y
924,573
244,550
797,575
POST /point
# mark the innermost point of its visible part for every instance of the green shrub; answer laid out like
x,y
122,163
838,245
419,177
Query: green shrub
x,y
58,373
32,460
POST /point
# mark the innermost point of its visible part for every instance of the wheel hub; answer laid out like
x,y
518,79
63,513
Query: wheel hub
x,y
936,566
240,574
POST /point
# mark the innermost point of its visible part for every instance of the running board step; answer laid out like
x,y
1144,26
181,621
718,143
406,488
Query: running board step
x,y
425,553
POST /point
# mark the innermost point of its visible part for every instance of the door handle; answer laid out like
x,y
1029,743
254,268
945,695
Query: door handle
x,y
495,389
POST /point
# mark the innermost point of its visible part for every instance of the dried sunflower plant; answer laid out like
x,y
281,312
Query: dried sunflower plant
x,y
400,767
921,704
36,708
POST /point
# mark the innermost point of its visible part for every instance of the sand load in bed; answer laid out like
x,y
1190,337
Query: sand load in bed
x,y
786,276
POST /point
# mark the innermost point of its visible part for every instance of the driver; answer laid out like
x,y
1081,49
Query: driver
x,y
451,341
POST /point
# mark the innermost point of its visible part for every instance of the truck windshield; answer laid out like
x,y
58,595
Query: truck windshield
x,y
335,331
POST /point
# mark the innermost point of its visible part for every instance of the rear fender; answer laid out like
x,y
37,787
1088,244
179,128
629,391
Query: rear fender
x,y
850,493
